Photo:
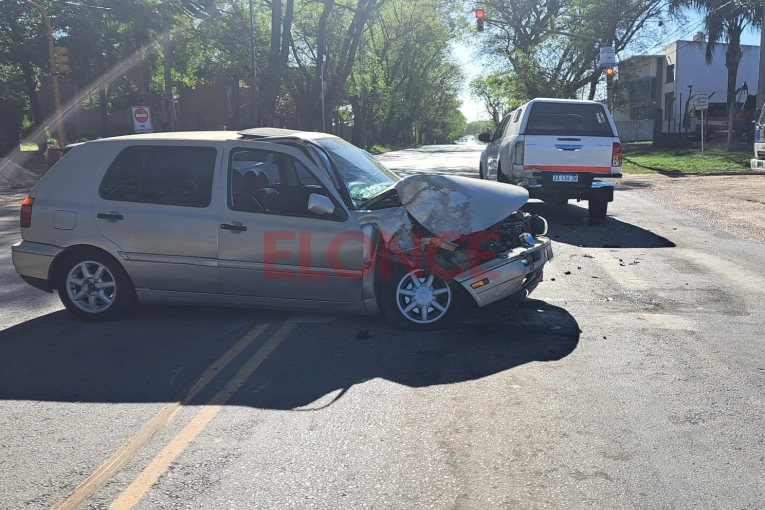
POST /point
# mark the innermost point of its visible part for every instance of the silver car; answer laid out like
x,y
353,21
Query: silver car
x,y
275,219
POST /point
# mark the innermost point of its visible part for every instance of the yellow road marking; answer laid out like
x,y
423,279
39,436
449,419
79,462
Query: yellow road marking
x,y
109,468
149,476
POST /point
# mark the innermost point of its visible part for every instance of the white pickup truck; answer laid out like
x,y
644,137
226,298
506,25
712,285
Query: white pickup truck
x,y
558,149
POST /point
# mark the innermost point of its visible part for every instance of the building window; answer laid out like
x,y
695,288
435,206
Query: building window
x,y
669,105
670,73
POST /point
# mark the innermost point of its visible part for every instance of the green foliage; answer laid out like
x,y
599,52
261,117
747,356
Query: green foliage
x,y
644,158
477,127
556,65
500,93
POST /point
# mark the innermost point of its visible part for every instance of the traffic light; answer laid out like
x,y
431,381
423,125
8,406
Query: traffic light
x,y
609,77
62,60
479,15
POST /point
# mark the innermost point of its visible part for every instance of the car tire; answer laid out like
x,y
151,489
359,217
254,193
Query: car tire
x,y
502,177
398,299
94,287
480,172
597,209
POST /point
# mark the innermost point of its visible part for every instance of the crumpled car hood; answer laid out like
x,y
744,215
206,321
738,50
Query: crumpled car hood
x,y
451,206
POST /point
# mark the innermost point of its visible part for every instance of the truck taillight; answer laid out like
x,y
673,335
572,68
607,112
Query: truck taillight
x,y
518,153
26,212
616,155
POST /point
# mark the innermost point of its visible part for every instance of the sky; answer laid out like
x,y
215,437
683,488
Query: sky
x,y
472,67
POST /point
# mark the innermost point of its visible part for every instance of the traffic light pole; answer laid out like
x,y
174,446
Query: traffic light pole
x,y
60,136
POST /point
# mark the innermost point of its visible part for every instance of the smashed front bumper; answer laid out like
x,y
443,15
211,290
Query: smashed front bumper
x,y
507,274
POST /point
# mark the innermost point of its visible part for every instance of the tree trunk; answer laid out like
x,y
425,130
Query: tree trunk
x,y
34,103
593,87
732,61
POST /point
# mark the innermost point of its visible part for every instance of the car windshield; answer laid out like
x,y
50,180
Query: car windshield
x,y
361,173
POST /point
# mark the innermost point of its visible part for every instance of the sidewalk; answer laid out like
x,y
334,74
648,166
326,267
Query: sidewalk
x,y
729,203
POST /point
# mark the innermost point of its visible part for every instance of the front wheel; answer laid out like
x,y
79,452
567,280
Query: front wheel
x,y
94,287
418,300
480,172
597,209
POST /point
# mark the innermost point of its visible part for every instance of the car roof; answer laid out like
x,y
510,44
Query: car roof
x,y
256,133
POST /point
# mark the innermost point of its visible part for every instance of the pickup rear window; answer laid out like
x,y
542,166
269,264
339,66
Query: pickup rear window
x,y
574,119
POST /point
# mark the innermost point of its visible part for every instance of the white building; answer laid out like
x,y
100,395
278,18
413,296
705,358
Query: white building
x,y
665,82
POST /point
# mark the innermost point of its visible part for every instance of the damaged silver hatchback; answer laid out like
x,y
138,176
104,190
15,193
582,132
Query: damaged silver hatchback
x,y
274,219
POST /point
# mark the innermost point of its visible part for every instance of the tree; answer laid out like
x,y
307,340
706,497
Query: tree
x,y
477,127
725,21
555,65
500,94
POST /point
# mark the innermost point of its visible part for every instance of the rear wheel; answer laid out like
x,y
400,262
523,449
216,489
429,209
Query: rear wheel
x,y
94,287
597,209
418,300
501,177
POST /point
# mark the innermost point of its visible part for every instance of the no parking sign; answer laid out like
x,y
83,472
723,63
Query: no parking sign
x,y
142,119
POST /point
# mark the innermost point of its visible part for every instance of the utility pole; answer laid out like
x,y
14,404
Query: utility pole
x,y
255,121
169,99
761,80
323,89
61,137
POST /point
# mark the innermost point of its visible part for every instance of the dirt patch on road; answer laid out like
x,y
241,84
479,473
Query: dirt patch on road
x,y
731,203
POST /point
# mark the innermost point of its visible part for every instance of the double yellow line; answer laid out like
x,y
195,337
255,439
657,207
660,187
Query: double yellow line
x,y
141,485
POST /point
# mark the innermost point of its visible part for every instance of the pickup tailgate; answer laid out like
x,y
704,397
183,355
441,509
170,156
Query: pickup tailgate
x,y
568,139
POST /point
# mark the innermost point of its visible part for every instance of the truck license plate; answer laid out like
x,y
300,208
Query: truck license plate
x,y
565,178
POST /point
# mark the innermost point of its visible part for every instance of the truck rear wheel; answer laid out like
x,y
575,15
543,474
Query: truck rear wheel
x,y
597,209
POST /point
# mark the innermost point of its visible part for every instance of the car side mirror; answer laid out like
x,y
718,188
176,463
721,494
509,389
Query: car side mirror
x,y
321,205
485,137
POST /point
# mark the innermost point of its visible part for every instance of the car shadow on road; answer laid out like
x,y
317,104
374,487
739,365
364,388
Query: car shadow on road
x,y
157,354
572,225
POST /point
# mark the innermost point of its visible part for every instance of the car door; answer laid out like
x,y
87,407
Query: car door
x,y
271,245
155,203
492,151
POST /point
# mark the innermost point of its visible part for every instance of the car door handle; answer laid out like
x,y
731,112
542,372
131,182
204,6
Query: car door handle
x,y
234,227
110,216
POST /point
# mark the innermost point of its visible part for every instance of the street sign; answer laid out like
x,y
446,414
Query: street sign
x,y
702,102
142,119
607,56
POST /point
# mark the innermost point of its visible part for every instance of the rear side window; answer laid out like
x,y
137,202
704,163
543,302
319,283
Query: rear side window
x,y
167,175
575,119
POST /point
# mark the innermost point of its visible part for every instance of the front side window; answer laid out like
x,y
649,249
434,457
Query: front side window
x,y
262,181
166,175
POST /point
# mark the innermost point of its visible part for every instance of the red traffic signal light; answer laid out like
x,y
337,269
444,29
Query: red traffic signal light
x,y
609,71
479,14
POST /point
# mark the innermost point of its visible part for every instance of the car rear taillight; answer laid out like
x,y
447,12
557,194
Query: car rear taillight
x,y
616,155
26,212
518,155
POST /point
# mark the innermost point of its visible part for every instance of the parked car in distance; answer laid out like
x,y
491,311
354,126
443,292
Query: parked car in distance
x,y
271,218
558,149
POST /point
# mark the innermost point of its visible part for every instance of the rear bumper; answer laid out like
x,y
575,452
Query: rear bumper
x,y
598,191
33,261
508,273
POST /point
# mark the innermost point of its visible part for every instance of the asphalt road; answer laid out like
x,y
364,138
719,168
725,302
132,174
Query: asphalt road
x,y
633,378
